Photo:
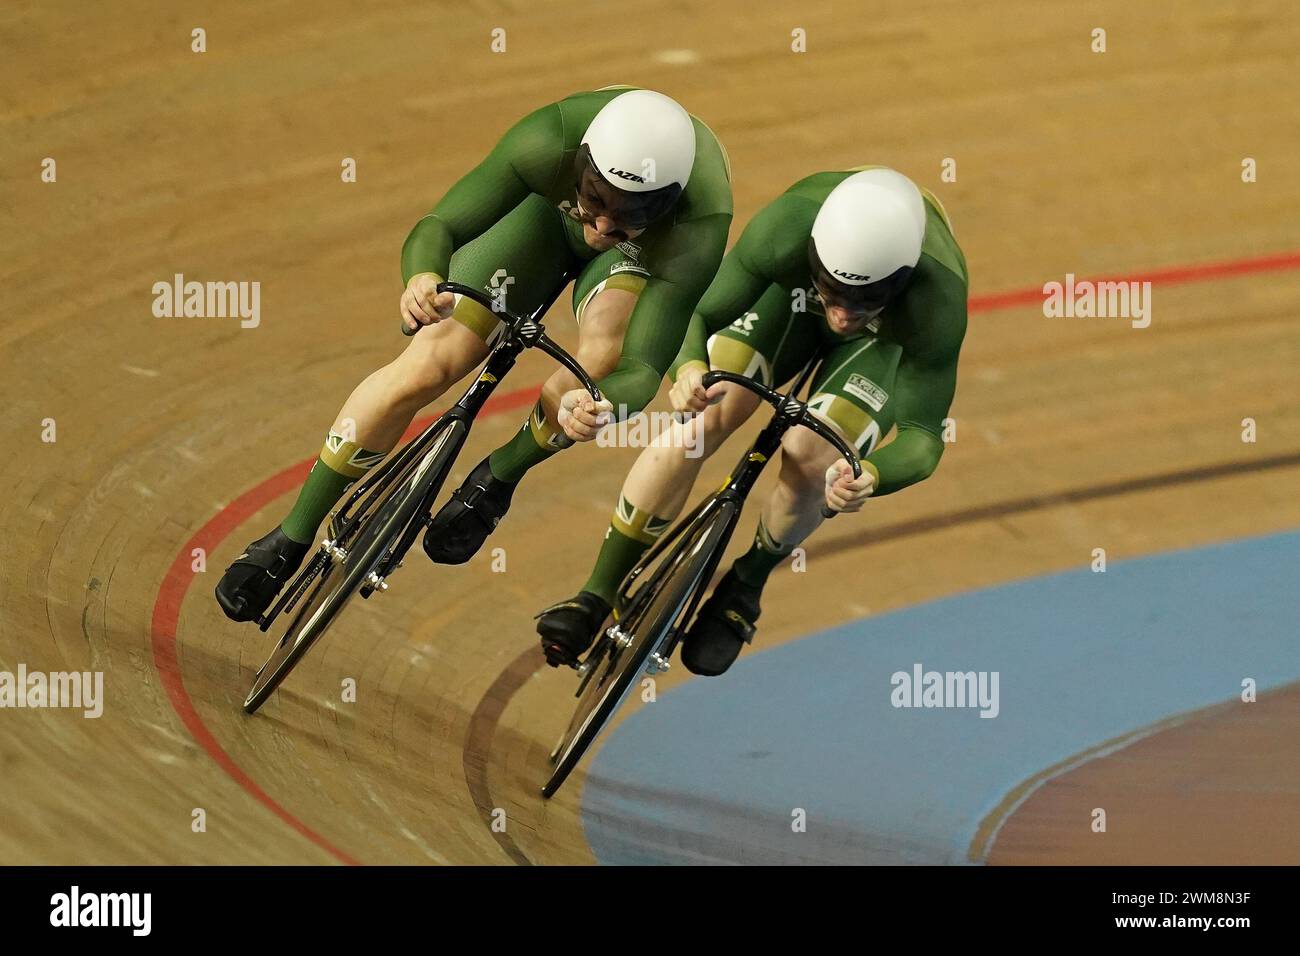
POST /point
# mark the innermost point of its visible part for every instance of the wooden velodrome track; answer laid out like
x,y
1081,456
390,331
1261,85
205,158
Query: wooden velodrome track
x,y
181,433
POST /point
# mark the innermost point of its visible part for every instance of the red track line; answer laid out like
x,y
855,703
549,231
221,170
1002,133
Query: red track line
x,y
167,610
1175,275
175,584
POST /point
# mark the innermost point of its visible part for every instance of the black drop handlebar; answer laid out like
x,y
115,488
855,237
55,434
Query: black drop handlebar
x,y
525,329
796,412
793,408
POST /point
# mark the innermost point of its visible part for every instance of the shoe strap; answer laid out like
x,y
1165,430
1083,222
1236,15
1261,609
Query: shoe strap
x,y
558,607
263,559
737,623
471,497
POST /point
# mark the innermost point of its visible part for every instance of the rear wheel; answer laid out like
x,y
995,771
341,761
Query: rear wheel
x,y
624,649
346,571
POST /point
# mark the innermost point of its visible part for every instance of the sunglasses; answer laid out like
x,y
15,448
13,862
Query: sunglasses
x,y
629,211
871,297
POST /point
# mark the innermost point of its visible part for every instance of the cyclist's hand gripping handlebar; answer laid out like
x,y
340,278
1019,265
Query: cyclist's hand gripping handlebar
x,y
798,412
527,330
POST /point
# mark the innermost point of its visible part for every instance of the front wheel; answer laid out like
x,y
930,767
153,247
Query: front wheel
x,y
347,571
624,649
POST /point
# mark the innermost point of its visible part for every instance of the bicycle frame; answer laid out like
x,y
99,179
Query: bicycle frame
x,y
730,498
649,620
521,333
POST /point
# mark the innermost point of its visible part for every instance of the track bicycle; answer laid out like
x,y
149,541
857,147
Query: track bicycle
x,y
370,534
651,615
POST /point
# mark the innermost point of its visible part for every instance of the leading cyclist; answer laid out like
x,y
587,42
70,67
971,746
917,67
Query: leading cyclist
x,y
621,186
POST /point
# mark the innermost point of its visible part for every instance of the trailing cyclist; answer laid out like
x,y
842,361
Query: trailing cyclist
x,y
857,268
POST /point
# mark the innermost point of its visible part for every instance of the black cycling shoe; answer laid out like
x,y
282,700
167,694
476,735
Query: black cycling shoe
x,y
570,627
254,578
724,625
464,523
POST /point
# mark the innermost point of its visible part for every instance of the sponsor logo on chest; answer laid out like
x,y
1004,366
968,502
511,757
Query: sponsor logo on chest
x,y
626,266
861,387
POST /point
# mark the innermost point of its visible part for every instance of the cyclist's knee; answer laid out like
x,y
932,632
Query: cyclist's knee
x,y
597,358
707,432
733,411
704,434
434,360
601,328
596,366
804,460
606,313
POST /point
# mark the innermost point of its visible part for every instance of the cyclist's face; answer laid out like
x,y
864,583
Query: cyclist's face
x,y
602,232
844,317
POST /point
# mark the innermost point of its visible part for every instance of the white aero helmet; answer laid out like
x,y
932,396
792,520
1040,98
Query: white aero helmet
x,y
635,158
866,239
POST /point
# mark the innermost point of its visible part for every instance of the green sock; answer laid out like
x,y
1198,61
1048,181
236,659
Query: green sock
x,y
534,443
631,532
763,555
341,462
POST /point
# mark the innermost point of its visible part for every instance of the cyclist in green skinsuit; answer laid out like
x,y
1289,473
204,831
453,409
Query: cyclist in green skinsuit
x,y
859,268
619,186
